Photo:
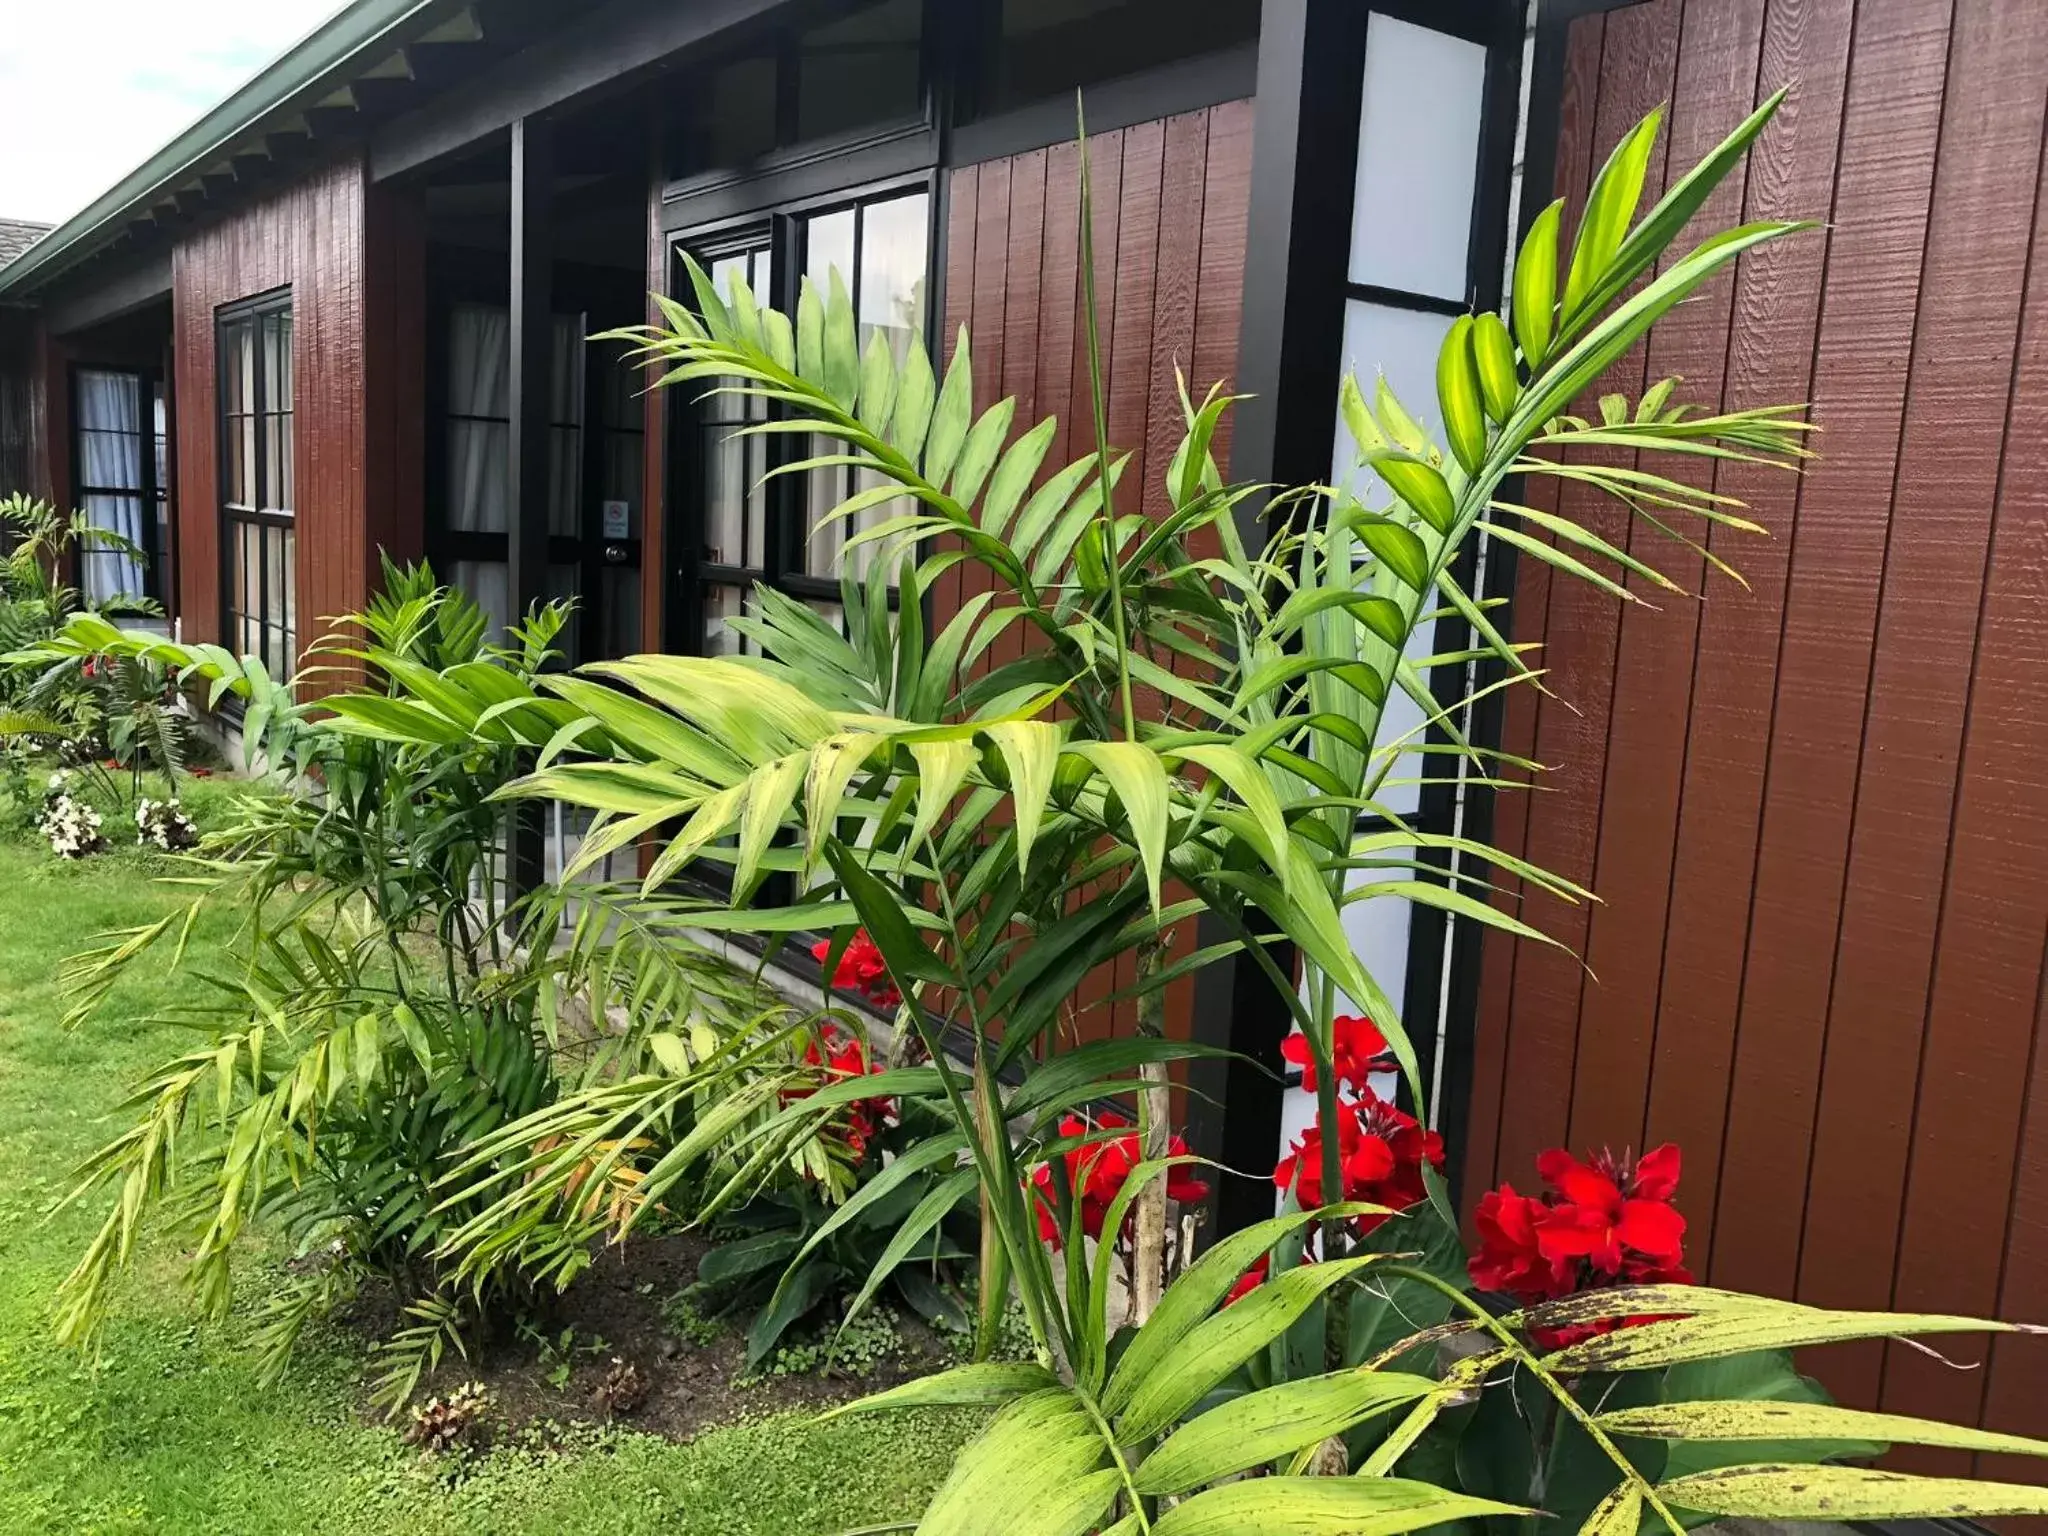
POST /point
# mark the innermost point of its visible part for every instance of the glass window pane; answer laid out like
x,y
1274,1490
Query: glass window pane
x,y
479,475
287,466
479,361
725,497
828,243
859,70
1418,158
621,610
280,382
824,536
284,591
565,482
274,461
624,465
892,271
1046,48
723,603
110,460
565,371
489,583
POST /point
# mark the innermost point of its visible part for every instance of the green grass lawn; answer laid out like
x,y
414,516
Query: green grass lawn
x,y
171,1433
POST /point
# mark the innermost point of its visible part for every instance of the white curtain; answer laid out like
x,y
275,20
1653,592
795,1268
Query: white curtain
x,y
480,421
110,444
479,451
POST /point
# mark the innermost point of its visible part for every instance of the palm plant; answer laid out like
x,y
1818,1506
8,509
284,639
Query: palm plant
x,y
384,1011
996,850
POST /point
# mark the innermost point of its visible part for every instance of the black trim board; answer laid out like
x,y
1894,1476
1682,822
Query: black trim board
x,y
142,283
1189,85
610,50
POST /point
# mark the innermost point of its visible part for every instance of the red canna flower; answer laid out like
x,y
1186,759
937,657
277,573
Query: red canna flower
x,y
843,1056
1605,1210
1380,1153
1098,1172
1510,1258
1249,1281
861,969
1601,1222
1357,1049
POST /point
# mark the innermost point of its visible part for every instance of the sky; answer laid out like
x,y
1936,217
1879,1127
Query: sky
x,y
92,88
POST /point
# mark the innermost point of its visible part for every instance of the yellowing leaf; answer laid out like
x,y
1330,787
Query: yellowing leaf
x,y
1847,1493
1322,1506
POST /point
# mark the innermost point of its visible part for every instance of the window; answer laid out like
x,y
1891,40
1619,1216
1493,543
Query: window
x,y
259,548
741,529
121,472
861,71
594,476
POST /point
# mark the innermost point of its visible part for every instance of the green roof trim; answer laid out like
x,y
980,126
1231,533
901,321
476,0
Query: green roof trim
x,y
308,70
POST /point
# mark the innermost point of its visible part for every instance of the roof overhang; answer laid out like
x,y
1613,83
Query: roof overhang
x,y
316,74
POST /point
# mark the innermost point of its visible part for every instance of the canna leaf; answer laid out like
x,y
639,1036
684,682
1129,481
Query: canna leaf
x,y
1400,550
1846,1493
1780,1325
1040,1469
1264,1426
1323,1506
1807,1421
1220,1344
1619,1514
915,389
987,1385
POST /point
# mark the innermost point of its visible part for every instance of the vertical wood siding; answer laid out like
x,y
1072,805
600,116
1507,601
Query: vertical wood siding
x,y
355,264
1814,807
1170,201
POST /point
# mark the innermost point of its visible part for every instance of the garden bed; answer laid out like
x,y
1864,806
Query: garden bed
x,y
622,1346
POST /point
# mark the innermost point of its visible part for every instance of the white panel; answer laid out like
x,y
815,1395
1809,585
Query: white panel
x,y
1418,158
1400,345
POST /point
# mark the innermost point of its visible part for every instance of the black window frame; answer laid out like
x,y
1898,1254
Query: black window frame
x,y
597,299
273,521
782,225
154,491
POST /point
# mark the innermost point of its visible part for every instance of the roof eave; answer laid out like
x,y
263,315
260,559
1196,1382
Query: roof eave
x,y
300,76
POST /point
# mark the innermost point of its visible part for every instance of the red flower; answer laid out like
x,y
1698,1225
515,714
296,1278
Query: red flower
x,y
843,1056
1097,1173
1510,1257
861,969
1249,1281
1607,1209
1380,1153
1357,1048
1601,1222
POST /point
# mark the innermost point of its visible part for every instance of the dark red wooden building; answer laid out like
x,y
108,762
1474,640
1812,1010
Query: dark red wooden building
x,y
346,313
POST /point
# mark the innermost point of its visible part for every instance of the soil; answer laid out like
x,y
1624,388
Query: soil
x,y
613,1317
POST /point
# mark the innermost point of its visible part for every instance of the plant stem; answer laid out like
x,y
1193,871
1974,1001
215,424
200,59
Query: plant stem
x,y
1155,1139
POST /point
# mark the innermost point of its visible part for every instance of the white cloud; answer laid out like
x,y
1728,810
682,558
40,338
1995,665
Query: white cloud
x,y
92,88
